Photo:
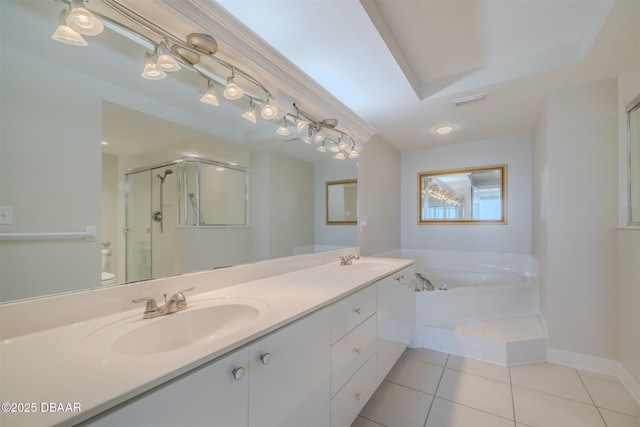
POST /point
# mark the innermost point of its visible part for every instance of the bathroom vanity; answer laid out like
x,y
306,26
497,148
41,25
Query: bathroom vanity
x,y
307,347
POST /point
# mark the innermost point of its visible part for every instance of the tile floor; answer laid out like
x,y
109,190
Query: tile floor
x,y
432,389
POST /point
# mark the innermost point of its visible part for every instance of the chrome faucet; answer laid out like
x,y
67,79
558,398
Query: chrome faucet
x,y
176,302
346,260
426,283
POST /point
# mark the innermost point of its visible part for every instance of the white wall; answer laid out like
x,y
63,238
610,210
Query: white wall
x,y
109,202
50,135
379,197
513,237
282,207
576,203
628,251
334,236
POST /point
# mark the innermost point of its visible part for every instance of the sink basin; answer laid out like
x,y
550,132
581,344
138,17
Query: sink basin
x,y
201,322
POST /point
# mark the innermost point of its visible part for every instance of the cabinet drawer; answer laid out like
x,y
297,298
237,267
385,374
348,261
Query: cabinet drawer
x,y
351,352
349,401
351,311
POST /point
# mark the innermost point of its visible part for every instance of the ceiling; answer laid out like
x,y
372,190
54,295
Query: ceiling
x,y
399,64
394,64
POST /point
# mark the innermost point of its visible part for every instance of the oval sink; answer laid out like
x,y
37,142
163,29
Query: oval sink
x,y
202,321
188,327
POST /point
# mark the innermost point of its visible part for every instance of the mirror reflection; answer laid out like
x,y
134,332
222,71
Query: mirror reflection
x,y
633,113
342,202
156,194
469,195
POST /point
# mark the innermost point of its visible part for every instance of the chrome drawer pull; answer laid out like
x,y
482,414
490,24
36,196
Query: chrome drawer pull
x,y
238,373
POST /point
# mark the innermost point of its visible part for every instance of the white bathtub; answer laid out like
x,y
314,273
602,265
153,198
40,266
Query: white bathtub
x,y
456,279
474,296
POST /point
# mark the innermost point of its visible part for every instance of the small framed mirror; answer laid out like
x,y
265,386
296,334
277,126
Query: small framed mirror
x,y
342,202
463,196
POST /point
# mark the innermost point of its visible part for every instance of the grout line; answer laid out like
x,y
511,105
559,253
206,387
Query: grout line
x,y
476,409
591,397
436,390
513,400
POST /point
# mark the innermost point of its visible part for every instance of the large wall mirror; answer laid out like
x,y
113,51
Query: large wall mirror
x,y
172,185
342,202
633,113
463,196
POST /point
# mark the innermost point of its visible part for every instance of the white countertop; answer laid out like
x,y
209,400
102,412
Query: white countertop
x,y
68,366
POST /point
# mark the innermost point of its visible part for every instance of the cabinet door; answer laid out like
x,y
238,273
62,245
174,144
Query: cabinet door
x,y
396,318
290,371
209,395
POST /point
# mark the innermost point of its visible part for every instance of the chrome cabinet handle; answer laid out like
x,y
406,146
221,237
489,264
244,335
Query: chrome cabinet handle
x,y
357,396
265,358
238,373
357,310
357,350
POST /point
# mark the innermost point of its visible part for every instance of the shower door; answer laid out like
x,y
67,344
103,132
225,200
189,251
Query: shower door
x,y
164,259
138,226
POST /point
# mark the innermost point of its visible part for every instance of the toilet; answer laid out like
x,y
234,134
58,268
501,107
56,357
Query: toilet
x,y
107,278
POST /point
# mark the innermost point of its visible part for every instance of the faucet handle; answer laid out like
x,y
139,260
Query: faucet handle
x,y
151,306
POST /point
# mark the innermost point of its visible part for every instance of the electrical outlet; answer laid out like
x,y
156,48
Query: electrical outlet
x,y
6,215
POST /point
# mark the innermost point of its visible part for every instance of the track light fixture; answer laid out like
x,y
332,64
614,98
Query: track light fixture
x,y
283,130
209,97
82,21
151,70
232,91
166,62
66,34
250,114
171,54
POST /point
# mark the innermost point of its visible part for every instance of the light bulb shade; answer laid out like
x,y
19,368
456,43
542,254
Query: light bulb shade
x,y
321,148
166,62
66,34
308,138
250,114
232,91
284,129
353,154
339,155
301,124
319,137
268,111
83,21
209,97
343,145
151,70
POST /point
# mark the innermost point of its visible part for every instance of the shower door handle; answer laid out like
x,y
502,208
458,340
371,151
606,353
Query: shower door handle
x,y
157,216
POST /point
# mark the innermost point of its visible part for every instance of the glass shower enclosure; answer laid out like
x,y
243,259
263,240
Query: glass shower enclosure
x,y
189,192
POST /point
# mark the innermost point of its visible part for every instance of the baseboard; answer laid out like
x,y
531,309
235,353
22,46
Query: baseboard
x,y
598,365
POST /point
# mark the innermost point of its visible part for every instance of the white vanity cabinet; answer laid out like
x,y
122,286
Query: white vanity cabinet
x,y
396,316
289,375
353,355
279,380
214,394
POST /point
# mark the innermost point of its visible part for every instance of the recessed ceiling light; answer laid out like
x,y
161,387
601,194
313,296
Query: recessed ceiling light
x,y
443,130
468,99
104,143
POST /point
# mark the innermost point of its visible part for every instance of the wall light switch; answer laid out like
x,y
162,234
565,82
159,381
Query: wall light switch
x,y
6,215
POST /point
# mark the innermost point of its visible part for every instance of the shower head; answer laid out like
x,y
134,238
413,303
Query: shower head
x,y
163,177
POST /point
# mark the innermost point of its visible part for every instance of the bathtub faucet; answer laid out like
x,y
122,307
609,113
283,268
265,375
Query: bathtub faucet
x,y
426,283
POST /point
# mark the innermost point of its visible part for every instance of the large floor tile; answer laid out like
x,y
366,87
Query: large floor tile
x,y
552,379
476,367
363,422
616,419
450,414
611,395
415,374
393,405
426,355
477,392
538,409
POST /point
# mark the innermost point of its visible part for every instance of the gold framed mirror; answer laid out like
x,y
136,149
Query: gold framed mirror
x,y
476,195
342,202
